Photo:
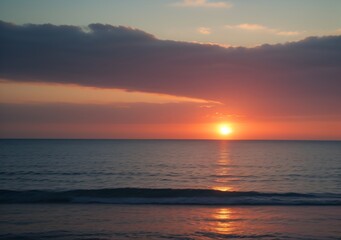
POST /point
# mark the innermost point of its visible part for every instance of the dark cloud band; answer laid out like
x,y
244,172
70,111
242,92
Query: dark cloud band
x,y
298,78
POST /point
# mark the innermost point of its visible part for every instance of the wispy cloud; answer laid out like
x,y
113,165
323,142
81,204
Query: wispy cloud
x,y
213,44
203,3
262,28
204,30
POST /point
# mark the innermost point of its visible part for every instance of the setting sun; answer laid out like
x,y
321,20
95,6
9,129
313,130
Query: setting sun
x,y
225,129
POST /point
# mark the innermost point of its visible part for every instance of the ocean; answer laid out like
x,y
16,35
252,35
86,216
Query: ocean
x,y
170,189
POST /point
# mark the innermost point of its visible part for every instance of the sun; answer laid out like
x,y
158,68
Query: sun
x,y
225,129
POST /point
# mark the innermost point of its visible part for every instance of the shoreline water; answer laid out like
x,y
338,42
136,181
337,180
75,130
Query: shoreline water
x,y
97,221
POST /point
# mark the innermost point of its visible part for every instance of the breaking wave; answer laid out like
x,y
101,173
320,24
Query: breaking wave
x,y
168,196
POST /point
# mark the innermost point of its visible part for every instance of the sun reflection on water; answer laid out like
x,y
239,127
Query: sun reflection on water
x,y
222,221
222,188
223,173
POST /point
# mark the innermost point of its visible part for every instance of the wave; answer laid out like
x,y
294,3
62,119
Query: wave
x,y
168,196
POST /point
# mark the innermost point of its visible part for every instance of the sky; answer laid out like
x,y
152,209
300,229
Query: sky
x,y
172,69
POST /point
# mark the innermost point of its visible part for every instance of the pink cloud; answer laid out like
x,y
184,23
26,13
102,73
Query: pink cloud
x,y
204,30
203,3
262,28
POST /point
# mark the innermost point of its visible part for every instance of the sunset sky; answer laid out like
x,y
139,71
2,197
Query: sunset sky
x,y
170,69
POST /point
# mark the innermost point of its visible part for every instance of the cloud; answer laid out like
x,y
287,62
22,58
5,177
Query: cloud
x,y
14,92
262,28
204,30
247,26
203,3
292,79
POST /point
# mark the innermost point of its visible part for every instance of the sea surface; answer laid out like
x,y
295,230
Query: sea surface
x,y
170,189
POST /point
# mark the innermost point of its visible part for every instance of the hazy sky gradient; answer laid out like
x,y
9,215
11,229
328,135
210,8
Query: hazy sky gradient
x,y
166,20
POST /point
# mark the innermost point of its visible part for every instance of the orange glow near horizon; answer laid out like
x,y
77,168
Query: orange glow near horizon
x,y
224,129
105,130
27,114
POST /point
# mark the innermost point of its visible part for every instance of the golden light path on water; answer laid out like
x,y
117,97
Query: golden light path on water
x,y
223,220
223,170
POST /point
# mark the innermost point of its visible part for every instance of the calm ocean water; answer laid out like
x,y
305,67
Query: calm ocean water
x,y
217,189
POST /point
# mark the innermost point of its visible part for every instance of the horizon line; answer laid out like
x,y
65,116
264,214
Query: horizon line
x,y
173,139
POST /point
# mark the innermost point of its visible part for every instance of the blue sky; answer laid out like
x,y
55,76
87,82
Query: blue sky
x,y
237,23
